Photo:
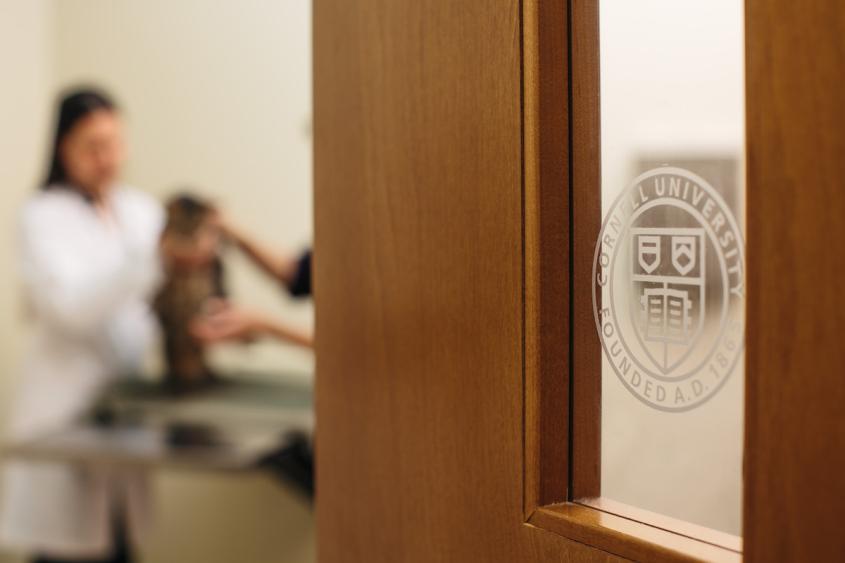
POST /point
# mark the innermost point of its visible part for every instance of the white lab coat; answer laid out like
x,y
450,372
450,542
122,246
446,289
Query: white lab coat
x,y
88,284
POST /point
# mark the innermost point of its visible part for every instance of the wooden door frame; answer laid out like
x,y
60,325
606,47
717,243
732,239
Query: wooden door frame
x,y
444,214
794,493
562,359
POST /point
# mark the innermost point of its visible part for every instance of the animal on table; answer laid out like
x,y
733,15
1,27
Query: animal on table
x,y
193,277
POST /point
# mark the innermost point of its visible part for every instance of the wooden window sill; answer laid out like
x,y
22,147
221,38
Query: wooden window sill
x,y
627,537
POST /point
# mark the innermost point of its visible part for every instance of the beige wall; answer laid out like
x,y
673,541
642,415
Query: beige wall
x,y
26,66
217,96
25,27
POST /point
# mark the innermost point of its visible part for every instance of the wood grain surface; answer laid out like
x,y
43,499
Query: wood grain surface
x,y
419,285
547,253
437,142
585,223
795,385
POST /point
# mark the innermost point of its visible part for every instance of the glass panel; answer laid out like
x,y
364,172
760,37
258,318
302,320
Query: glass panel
x,y
669,270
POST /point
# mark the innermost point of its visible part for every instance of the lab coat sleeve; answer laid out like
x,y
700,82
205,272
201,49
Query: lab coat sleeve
x,y
69,285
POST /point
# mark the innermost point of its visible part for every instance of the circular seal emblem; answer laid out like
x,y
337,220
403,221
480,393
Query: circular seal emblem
x,y
668,289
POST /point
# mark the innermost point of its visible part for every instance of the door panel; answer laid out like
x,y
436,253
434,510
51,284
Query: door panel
x,y
418,272
443,260
795,428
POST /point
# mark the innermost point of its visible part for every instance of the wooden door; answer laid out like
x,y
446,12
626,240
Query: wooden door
x,y
447,428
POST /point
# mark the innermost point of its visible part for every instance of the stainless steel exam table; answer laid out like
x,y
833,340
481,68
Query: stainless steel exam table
x,y
232,426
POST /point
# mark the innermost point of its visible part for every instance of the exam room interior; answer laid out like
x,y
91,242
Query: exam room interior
x,y
216,96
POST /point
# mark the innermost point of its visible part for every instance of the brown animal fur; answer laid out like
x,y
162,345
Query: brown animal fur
x,y
185,292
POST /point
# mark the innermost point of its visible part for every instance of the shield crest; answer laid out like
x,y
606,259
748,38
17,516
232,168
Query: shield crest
x,y
648,252
683,253
668,299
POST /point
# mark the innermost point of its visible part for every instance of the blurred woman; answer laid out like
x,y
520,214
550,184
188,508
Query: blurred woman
x,y
88,263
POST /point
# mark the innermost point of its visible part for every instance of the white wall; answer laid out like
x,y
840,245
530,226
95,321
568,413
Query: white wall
x,y
217,96
25,27
26,66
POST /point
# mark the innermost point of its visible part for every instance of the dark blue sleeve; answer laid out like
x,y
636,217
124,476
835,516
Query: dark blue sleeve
x,y
300,285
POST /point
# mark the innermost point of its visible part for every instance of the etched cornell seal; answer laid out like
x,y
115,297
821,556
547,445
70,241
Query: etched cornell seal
x,y
668,289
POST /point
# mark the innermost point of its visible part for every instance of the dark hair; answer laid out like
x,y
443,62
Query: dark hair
x,y
186,212
73,107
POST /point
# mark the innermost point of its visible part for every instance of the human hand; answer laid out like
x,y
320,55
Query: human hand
x,y
224,322
225,225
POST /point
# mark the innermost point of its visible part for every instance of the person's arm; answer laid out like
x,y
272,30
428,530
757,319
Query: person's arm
x,y
279,331
227,323
282,267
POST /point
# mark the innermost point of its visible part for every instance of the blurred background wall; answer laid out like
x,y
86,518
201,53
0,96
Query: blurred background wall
x,y
217,97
